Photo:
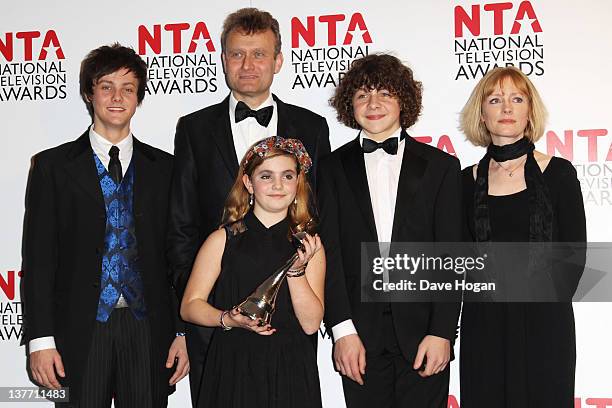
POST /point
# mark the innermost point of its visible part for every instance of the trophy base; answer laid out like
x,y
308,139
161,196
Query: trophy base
x,y
257,310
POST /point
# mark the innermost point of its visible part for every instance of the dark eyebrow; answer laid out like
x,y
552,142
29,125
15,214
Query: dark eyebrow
x,y
106,81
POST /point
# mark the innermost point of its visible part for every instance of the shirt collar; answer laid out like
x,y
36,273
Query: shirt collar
x,y
101,146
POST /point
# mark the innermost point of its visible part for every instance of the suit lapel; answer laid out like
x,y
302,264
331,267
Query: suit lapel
x,y
285,127
224,139
413,168
81,167
144,178
355,172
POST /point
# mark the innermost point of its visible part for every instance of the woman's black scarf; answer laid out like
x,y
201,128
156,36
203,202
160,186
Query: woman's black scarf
x,y
540,208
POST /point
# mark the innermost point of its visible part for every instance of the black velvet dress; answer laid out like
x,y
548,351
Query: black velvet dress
x,y
522,355
245,369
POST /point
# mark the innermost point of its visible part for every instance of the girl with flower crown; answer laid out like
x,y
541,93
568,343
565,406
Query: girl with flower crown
x,y
250,363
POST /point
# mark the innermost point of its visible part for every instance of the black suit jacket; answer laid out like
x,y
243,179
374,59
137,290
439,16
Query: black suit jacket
x,y
428,208
63,244
206,167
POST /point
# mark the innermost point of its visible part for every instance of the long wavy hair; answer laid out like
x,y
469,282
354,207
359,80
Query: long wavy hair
x,y
299,213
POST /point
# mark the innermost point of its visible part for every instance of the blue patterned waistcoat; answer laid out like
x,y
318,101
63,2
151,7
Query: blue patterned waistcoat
x,y
120,273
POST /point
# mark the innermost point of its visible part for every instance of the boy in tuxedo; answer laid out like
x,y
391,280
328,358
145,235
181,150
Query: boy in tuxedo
x,y
386,187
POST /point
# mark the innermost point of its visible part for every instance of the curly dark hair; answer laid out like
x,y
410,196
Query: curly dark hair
x,y
379,71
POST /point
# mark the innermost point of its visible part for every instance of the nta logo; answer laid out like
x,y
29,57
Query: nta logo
x,y
496,11
555,146
477,52
307,32
8,284
317,60
174,32
180,58
31,66
26,42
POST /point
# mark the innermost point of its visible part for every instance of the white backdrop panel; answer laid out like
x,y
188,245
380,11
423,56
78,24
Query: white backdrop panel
x,y
570,58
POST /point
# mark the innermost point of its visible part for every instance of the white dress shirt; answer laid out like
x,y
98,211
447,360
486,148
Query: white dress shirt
x,y
248,131
383,172
100,146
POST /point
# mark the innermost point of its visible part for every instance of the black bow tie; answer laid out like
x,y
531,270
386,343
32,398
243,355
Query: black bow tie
x,y
262,116
389,145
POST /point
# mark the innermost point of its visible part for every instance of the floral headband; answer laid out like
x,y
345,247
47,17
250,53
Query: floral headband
x,y
292,146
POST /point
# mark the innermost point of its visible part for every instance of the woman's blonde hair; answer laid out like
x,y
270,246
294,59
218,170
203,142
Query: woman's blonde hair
x,y
471,123
237,202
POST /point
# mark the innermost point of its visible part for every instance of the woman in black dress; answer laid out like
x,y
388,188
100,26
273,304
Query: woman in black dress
x,y
273,365
517,354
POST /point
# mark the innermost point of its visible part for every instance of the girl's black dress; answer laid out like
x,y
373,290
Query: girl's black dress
x,y
245,369
522,354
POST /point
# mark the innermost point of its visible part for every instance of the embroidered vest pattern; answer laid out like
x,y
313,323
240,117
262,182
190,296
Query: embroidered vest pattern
x,y
120,272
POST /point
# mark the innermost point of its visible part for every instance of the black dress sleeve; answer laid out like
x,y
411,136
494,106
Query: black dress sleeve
x,y
570,224
570,217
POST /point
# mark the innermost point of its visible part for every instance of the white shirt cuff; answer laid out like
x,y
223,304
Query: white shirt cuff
x,y
343,329
42,343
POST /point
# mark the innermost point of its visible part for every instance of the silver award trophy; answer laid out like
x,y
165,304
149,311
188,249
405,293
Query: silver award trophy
x,y
260,303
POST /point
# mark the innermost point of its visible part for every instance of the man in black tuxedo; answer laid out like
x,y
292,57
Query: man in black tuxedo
x,y
210,142
386,187
100,312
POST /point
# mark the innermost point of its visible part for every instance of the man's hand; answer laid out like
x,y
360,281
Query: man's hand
x,y
178,351
350,357
44,364
436,351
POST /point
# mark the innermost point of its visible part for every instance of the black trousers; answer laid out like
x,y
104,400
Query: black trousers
x,y
118,365
390,381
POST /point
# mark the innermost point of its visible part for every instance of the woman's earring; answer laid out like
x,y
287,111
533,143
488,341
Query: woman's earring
x,y
295,201
250,199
